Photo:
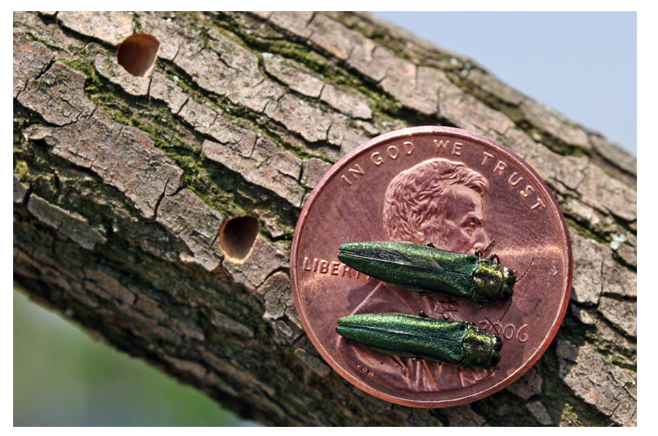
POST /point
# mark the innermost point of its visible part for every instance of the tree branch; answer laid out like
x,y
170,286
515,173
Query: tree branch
x,y
122,184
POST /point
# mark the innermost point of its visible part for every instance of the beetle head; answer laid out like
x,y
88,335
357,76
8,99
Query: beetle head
x,y
492,281
507,286
481,348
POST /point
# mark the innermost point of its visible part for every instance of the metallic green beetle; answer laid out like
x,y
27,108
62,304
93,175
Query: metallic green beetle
x,y
401,334
427,269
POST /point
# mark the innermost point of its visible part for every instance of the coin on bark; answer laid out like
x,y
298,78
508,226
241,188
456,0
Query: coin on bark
x,y
457,191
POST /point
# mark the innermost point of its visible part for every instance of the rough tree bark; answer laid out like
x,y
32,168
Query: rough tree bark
x,y
121,184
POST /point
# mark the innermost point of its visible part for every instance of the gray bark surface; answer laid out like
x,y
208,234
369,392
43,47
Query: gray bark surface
x,y
122,183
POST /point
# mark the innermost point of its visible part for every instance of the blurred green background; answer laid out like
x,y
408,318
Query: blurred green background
x,y
63,377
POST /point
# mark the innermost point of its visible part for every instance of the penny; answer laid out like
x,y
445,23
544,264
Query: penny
x,y
458,191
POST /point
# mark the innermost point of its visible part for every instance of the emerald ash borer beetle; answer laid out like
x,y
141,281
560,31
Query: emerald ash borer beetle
x,y
457,342
426,269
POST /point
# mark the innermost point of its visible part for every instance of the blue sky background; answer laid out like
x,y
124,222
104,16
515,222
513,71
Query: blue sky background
x,y
581,64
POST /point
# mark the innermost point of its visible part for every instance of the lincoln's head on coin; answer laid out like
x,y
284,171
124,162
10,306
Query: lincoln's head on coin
x,y
437,202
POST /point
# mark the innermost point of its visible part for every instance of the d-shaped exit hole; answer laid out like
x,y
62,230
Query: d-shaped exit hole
x,y
237,236
136,54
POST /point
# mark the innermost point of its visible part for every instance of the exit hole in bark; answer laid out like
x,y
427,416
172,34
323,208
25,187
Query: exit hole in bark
x,y
136,54
237,236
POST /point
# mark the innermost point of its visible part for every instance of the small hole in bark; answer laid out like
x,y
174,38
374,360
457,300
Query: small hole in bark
x,y
237,236
136,54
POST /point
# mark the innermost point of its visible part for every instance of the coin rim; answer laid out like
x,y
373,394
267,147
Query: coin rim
x,y
412,132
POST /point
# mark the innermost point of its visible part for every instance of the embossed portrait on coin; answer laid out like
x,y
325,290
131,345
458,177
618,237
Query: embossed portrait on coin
x,y
438,202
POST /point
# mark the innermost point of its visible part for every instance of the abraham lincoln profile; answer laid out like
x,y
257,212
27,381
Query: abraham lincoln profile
x,y
436,202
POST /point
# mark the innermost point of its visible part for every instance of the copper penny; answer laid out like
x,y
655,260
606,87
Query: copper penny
x,y
456,190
